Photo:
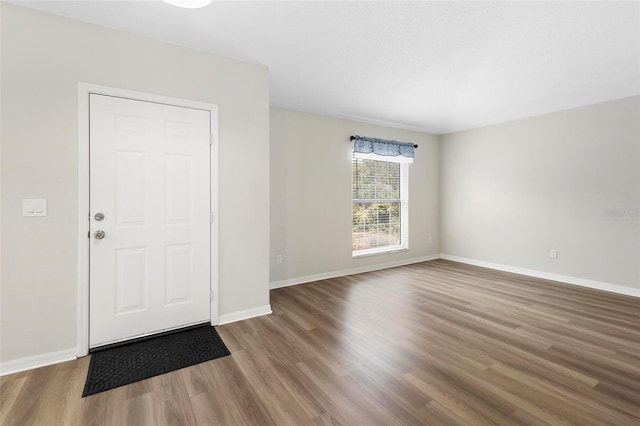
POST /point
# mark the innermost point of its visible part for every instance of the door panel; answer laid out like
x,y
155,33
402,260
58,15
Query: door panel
x,y
178,282
131,280
149,176
131,191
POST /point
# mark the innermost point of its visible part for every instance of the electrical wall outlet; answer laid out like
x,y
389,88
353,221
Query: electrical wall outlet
x,y
553,254
279,259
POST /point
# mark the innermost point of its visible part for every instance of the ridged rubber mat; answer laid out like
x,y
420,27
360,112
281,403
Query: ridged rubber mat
x,y
129,363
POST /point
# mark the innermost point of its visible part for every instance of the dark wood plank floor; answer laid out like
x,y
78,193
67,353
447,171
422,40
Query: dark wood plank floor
x,y
436,343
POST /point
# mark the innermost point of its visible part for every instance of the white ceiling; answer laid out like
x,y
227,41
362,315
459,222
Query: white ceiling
x,y
438,67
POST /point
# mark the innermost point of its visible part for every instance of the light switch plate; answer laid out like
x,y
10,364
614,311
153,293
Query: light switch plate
x,y
34,207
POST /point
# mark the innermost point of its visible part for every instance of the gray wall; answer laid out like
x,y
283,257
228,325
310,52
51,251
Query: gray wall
x,y
43,59
311,194
511,192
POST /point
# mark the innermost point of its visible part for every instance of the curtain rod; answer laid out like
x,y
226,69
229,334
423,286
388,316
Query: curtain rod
x,y
353,137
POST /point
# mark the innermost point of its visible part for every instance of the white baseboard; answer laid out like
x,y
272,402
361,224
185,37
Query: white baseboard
x,y
37,361
613,288
243,315
351,271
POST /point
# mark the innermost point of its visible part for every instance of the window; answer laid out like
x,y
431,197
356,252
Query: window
x,y
380,188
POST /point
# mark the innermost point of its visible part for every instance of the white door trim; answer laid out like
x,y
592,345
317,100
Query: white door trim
x,y
84,90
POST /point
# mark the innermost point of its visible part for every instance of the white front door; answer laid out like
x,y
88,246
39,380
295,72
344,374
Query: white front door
x,y
149,204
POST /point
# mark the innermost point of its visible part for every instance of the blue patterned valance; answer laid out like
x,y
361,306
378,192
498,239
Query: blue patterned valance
x,y
384,147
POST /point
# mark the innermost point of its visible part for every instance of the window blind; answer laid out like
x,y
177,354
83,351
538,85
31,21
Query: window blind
x,y
380,193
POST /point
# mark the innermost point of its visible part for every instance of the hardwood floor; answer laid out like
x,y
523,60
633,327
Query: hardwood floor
x,y
436,343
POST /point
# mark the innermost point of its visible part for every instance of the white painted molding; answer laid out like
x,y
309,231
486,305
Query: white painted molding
x,y
37,361
243,315
351,271
566,279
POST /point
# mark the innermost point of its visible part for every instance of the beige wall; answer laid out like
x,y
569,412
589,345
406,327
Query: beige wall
x,y
43,59
511,192
311,194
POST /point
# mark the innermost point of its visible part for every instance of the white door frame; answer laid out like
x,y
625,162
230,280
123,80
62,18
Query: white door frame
x,y
84,90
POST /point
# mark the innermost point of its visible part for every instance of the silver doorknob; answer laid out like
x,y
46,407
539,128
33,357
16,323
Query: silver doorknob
x,y
99,235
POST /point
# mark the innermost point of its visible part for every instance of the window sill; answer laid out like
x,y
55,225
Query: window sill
x,y
377,251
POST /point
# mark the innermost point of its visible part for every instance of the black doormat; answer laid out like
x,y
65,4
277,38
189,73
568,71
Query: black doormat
x,y
122,365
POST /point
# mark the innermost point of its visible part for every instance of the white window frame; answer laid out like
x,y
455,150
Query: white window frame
x,y
404,206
